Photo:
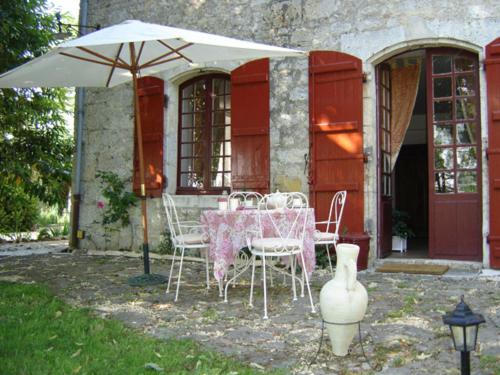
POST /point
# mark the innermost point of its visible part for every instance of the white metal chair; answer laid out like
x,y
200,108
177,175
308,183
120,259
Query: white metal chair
x,y
248,199
331,234
184,235
282,221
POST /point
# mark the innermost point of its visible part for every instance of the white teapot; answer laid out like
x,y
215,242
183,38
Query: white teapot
x,y
277,200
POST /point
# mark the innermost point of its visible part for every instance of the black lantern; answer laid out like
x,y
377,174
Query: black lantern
x,y
464,325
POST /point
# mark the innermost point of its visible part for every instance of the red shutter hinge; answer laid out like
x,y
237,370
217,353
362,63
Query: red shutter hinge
x,y
487,238
487,154
364,77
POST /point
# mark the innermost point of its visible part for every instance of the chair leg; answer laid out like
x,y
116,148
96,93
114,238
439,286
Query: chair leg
x,y
179,276
171,271
207,268
250,302
304,271
265,286
292,268
329,258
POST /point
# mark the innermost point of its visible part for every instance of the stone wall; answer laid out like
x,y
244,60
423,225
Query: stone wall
x,y
371,30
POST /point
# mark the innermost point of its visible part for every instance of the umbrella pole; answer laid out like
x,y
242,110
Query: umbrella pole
x,y
144,209
147,278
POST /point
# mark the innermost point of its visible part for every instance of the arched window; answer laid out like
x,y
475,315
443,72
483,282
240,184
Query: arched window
x,y
204,165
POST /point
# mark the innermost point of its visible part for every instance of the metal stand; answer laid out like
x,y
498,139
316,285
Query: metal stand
x,y
375,368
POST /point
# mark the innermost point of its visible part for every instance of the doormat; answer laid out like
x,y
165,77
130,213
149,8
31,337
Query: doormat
x,y
424,269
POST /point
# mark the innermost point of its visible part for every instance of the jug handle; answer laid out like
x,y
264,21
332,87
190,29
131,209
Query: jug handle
x,y
351,270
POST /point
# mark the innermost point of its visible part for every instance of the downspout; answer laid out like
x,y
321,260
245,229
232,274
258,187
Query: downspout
x,y
80,116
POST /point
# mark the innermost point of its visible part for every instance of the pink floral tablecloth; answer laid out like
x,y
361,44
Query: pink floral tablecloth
x,y
227,231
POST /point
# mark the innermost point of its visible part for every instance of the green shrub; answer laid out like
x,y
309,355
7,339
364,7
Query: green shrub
x,y
18,211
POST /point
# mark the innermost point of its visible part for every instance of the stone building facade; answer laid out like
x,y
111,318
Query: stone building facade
x,y
373,31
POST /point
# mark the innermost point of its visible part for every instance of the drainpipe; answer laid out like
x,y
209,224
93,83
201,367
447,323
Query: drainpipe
x,y
80,116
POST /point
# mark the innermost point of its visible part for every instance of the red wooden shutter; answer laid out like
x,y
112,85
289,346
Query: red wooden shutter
x,y
493,89
250,126
151,98
336,135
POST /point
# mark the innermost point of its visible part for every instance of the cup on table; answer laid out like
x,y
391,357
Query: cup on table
x,y
222,204
234,203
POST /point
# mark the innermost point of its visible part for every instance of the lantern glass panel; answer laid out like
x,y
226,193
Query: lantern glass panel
x,y
470,336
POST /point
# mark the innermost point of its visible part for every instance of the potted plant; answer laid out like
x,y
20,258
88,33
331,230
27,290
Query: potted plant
x,y
400,230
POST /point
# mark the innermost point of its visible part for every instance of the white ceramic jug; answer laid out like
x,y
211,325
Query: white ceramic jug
x,y
343,300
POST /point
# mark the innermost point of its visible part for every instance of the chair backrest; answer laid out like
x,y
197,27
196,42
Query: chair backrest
x,y
336,211
246,198
284,215
172,217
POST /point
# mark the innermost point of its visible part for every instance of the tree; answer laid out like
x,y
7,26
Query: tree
x,y
35,146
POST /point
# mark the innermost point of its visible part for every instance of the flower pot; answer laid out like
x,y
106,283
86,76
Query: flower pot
x,y
399,244
343,300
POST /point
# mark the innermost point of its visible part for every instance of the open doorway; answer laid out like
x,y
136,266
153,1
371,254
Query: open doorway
x,y
403,151
410,170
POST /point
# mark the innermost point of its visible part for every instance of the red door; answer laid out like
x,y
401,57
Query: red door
x,y
151,94
454,140
384,165
336,135
492,64
250,126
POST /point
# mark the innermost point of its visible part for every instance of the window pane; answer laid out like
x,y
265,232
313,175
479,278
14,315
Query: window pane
x,y
227,179
443,158
186,165
467,182
218,86
465,85
387,163
217,179
217,149
187,92
466,157
218,103
463,64
227,164
441,64
187,121
442,87
466,109
444,182
186,150
184,178
218,134
443,134
218,118
199,88
388,141
228,118
187,105
227,148
216,165
187,135
442,110
466,133
227,132
228,101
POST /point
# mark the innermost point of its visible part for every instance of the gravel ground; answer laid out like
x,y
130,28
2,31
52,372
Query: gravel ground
x,y
402,332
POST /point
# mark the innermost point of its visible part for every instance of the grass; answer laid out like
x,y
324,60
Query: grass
x,y
491,363
40,334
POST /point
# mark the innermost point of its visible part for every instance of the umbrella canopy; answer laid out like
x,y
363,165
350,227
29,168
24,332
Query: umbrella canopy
x,y
106,57
117,54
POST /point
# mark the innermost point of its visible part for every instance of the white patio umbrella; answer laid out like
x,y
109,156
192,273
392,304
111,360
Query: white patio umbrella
x,y
117,54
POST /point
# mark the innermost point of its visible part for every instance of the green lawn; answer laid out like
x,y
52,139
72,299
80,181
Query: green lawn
x,y
40,334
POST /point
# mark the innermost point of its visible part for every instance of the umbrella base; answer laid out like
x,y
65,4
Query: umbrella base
x,y
146,279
